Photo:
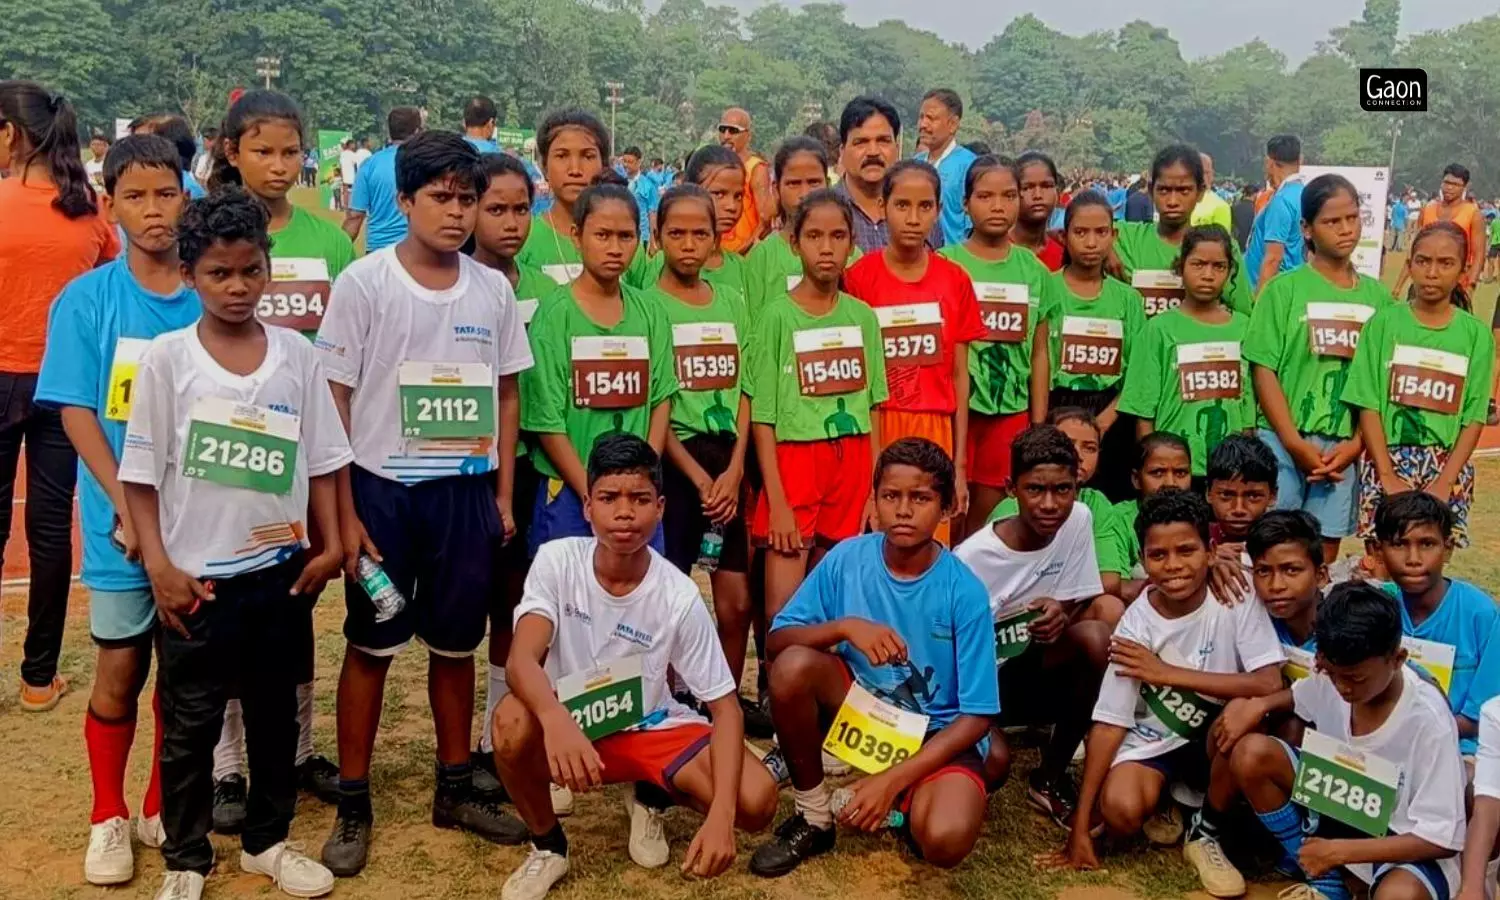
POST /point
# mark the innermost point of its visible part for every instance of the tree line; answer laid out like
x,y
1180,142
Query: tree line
x,y
1102,101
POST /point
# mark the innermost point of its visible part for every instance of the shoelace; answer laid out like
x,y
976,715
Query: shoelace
x,y
536,861
114,837
179,885
293,855
655,829
347,830
1299,892
1215,853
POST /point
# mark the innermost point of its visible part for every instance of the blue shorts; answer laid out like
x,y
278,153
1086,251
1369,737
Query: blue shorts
x,y
440,543
122,618
1333,504
558,513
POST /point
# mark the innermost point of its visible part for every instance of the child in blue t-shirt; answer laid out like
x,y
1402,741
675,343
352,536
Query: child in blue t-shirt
x,y
100,325
1286,567
896,622
1450,626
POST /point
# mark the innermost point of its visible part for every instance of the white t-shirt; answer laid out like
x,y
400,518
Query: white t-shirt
x,y
213,530
1421,737
1064,570
94,169
348,162
1213,638
1487,761
360,155
663,621
378,317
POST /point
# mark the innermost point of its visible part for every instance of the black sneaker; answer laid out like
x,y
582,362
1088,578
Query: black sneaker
x,y
1493,415
757,720
1055,798
348,847
486,778
796,842
478,815
229,804
319,776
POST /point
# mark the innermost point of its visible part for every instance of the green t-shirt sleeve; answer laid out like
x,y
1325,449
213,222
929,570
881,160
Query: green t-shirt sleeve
x,y
663,365
1144,377
546,385
1249,407
1266,338
1363,389
1477,387
765,353
874,355
643,270
1135,324
1111,551
340,253
1237,293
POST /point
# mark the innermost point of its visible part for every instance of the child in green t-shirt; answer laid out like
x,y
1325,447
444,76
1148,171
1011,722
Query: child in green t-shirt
x,y
1008,282
772,267
817,370
1421,384
1187,374
1492,260
573,145
718,170
1162,462
1087,330
603,356
1303,334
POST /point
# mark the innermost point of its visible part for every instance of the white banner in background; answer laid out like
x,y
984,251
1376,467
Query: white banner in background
x,y
1373,184
122,128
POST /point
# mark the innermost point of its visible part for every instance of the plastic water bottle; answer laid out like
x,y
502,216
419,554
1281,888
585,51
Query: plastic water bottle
x,y
842,798
377,585
711,548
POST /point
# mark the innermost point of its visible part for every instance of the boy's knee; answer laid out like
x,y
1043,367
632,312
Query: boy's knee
x,y
513,730
793,671
1400,884
1108,610
759,799
997,760
1091,636
1256,756
945,840
1122,807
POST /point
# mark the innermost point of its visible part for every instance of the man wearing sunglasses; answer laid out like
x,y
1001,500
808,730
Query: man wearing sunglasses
x,y
759,212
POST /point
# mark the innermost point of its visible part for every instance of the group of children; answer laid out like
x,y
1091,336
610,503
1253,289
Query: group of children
x,y
535,428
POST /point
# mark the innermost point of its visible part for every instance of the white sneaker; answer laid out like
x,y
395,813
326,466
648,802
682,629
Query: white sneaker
x,y
149,832
109,859
834,767
648,836
536,876
181,886
562,801
293,872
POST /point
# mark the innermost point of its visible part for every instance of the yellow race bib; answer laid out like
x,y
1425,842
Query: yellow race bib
x,y
873,735
128,353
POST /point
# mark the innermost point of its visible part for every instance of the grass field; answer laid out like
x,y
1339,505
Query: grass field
x,y
44,784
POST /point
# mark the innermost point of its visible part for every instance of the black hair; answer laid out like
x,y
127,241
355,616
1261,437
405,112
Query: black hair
x,y
1399,512
606,186
50,128
1086,199
1244,457
948,98
438,155
174,129
250,111
480,110
710,156
231,214
826,134
1458,171
632,150
1460,297
912,165
1172,506
985,164
924,455
658,161
139,151
1041,445
679,193
1320,190
402,122
1031,157
562,119
100,136
822,197
978,148
1207,234
624,454
1179,155
861,110
1060,414
1355,622
1284,148
1286,526
791,147
497,164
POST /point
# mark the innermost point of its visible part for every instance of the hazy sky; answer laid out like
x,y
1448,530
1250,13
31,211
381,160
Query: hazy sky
x,y
1202,28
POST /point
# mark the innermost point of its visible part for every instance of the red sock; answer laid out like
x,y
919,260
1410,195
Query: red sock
x,y
109,749
151,804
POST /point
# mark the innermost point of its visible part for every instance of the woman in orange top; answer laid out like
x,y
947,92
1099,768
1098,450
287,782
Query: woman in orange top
x,y
50,232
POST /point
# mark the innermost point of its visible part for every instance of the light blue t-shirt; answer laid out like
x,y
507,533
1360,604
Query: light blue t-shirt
x,y
374,195
1287,640
943,616
1279,223
952,170
91,315
1468,619
482,145
1399,215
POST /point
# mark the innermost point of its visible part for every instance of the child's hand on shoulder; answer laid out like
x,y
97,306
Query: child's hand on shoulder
x,y
1137,661
1227,579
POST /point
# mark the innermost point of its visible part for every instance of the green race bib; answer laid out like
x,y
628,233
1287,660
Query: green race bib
x,y
1013,633
1183,712
605,699
1338,781
446,400
241,445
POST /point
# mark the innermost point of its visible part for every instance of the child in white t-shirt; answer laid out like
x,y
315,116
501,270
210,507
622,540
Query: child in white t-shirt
x,y
233,439
1176,655
601,621
1366,707
1484,819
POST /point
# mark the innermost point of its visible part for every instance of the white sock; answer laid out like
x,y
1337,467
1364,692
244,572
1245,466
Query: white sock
x,y
495,691
229,754
304,722
816,805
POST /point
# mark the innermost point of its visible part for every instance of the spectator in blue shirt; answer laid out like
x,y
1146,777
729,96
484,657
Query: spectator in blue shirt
x,y
1400,212
642,186
937,128
374,194
1116,196
1276,236
479,124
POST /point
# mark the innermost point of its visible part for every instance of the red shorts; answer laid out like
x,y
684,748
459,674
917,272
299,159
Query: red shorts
x,y
655,756
990,438
826,484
